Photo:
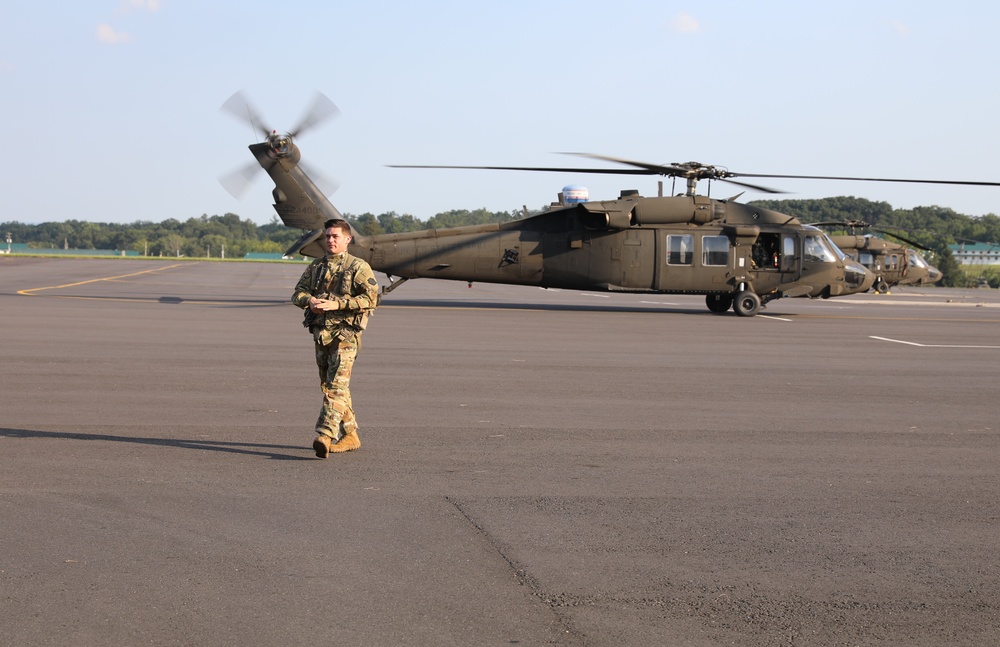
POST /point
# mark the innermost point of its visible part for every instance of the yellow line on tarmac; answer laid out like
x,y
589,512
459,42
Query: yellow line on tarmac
x,y
30,291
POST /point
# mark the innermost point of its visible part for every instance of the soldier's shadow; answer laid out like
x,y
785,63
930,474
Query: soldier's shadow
x,y
252,449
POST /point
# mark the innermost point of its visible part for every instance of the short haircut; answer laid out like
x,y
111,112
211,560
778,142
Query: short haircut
x,y
342,225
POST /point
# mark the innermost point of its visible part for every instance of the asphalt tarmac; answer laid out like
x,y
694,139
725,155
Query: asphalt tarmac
x,y
538,467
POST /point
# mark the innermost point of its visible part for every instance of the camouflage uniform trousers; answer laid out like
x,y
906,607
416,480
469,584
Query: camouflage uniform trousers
x,y
335,361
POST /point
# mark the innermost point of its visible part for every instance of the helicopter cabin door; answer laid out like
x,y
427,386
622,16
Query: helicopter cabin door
x,y
693,261
773,260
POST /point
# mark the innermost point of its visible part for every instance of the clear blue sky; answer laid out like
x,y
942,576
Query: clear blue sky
x,y
111,108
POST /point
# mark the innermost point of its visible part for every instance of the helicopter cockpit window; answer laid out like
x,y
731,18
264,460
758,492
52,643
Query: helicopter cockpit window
x,y
816,251
866,259
836,250
679,249
715,250
916,260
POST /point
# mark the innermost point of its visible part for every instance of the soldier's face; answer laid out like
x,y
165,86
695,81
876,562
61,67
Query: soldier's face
x,y
336,240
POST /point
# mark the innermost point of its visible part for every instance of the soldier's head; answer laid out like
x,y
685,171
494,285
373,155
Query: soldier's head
x,y
338,235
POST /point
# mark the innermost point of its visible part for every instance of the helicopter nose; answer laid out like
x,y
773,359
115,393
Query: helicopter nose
x,y
934,275
858,277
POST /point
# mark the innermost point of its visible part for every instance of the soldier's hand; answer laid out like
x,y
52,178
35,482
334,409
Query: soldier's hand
x,y
325,305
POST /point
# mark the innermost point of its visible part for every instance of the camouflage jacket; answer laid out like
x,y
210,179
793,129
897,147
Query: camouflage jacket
x,y
346,278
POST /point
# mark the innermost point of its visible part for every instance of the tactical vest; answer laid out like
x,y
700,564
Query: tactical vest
x,y
333,282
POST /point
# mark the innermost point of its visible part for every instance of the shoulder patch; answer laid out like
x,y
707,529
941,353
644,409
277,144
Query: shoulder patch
x,y
372,281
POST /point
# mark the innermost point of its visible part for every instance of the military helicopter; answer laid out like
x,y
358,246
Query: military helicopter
x,y
738,256
893,263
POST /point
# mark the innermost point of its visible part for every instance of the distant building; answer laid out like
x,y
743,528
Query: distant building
x,y
976,253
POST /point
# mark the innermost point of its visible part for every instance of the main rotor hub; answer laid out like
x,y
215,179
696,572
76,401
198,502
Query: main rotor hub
x,y
694,171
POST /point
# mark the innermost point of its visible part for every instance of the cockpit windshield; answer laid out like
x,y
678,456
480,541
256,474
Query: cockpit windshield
x,y
836,250
819,249
915,259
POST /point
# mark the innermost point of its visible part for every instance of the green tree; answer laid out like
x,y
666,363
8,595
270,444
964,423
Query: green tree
x,y
392,223
214,244
368,225
171,244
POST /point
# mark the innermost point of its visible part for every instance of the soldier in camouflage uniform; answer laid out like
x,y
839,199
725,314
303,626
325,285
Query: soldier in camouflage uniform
x,y
338,293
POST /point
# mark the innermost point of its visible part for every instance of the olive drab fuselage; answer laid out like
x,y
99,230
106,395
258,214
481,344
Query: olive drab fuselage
x,y
733,253
665,245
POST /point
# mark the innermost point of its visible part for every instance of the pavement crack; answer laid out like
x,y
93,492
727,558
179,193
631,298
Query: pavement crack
x,y
523,576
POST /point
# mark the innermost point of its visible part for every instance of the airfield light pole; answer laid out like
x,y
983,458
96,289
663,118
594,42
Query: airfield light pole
x,y
9,241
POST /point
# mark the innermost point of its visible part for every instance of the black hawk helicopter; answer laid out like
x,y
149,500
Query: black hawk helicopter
x,y
737,255
893,263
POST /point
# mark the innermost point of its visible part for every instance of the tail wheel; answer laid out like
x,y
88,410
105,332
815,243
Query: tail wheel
x,y
719,303
746,304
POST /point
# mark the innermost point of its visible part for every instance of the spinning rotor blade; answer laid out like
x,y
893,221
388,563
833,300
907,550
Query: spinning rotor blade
x,y
239,106
912,243
612,171
706,172
688,171
867,179
325,184
239,181
650,169
321,110
693,171
861,224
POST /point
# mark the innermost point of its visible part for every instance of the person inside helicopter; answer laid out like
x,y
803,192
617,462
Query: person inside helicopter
x,y
764,252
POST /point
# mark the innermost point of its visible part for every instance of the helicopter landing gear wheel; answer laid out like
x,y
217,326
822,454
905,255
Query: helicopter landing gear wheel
x,y
746,304
719,303
881,287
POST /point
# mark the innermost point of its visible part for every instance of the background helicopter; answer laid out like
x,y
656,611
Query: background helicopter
x,y
738,256
892,263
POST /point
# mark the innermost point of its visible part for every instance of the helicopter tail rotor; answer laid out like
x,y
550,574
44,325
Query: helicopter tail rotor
x,y
281,144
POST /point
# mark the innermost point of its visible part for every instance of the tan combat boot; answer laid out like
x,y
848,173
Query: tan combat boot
x,y
322,445
348,442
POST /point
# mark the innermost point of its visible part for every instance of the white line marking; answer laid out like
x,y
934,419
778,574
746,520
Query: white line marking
x,y
773,317
913,343
953,304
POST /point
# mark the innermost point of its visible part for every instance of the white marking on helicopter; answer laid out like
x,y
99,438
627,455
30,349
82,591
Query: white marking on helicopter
x,y
913,343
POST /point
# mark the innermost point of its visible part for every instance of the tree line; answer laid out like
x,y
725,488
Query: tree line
x,y
216,236
229,235
924,225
